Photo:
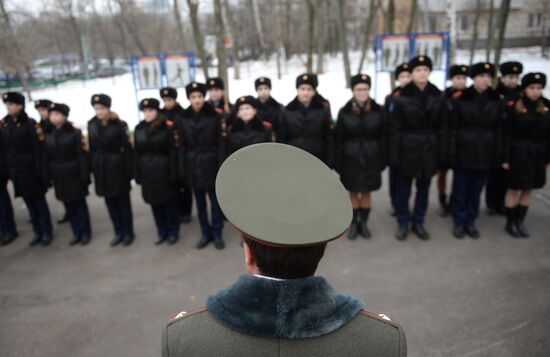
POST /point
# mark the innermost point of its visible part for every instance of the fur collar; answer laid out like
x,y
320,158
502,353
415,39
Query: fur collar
x,y
255,124
206,110
348,108
297,308
271,102
470,93
411,89
316,103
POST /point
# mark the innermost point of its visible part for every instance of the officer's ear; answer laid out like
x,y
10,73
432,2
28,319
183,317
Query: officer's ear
x,y
249,259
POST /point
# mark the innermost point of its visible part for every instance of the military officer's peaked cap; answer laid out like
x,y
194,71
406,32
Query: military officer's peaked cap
x,y
282,196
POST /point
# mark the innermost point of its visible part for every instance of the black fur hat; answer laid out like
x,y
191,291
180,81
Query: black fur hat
x,y
482,67
215,82
307,78
248,99
420,60
262,81
149,103
533,78
360,78
458,69
511,67
42,103
195,87
168,92
102,99
14,97
403,67
59,107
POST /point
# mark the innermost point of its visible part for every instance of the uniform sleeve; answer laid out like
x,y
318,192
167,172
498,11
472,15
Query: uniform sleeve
x,y
135,164
282,128
500,132
338,143
128,150
394,132
164,343
222,135
329,138
506,135
173,155
382,141
83,160
402,343
443,134
454,127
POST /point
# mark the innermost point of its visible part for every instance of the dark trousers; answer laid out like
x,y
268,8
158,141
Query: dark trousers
x,y
79,216
391,180
214,230
467,187
7,222
403,188
185,200
496,189
120,211
166,219
40,216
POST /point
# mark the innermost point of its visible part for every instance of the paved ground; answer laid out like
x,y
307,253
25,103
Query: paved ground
x,y
454,298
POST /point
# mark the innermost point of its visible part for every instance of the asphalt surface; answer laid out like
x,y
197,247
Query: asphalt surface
x,y
486,297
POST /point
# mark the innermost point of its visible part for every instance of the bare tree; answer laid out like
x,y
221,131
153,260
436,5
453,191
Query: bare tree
x,y
451,19
475,31
179,23
232,25
412,17
310,34
258,25
19,56
343,37
373,7
199,44
321,35
127,16
489,42
389,17
501,26
220,45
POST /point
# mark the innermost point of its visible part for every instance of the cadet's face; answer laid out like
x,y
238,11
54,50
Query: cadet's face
x,y
533,91
169,103
510,80
305,93
43,112
263,92
404,78
246,112
57,118
361,92
420,75
101,111
13,108
197,100
215,94
459,81
482,81
149,114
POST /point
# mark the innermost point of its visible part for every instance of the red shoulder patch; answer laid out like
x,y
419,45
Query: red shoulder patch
x,y
510,103
266,123
169,122
457,94
396,93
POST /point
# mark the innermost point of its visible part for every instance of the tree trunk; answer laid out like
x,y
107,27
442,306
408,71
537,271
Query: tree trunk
x,y
220,45
390,17
286,37
475,32
310,34
373,7
127,20
235,37
197,35
412,16
321,36
502,21
489,41
19,57
451,15
343,39
179,23
259,29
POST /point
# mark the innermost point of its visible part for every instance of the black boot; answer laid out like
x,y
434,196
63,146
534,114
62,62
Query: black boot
x,y
443,205
354,225
85,240
218,242
364,219
160,240
511,224
458,232
35,241
419,230
128,240
74,241
173,240
472,231
402,232
521,213
64,219
203,242
116,241
9,237
47,240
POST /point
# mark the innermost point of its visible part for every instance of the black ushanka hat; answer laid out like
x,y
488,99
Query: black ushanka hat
x,y
215,82
102,99
403,67
59,107
13,97
195,87
168,92
262,81
149,103
511,67
458,69
307,78
533,78
248,99
360,78
420,61
42,103
482,67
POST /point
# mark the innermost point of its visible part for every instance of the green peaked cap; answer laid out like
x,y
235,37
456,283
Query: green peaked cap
x,y
280,195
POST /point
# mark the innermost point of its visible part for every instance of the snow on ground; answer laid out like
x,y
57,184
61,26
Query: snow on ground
x,y
77,94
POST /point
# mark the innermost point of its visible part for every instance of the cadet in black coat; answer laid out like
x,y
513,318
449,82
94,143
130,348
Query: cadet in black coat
x,y
67,167
204,140
156,146
475,146
248,128
360,141
173,111
218,100
8,231
509,90
23,141
414,137
527,150
458,75
306,121
111,156
402,75
268,108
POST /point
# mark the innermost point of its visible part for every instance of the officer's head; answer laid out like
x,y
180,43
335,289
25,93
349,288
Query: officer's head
x,y
510,72
287,206
216,88
420,67
458,74
169,96
42,106
15,102
360,87
102,105
533,84
482,74
306,87
263,88
246,107
58,113
403,74
150,108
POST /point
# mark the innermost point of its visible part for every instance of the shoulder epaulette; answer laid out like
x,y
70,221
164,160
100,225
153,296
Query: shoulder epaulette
x,y
184,314
381,317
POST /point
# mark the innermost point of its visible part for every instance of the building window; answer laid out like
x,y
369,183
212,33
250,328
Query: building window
x,y
534,20
463,22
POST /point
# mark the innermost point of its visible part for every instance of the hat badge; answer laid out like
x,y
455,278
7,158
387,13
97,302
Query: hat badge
x,y
194,85
537,76
96,98
242,99
165,91
486,65
145,102
405,66
304,77
212,82
421,58
515,68
52,105
5,96
262,80
463,69
363,77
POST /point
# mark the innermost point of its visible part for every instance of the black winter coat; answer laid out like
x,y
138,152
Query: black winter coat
x,y
476,130
156,147
226,113
22,140
204,146
360,138
111,156
175,114
244,134
310,129
415,130
66,163
508,95
3,165
527,144
270,111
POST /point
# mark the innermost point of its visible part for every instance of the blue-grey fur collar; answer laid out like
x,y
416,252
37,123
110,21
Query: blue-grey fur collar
x,y
297,308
